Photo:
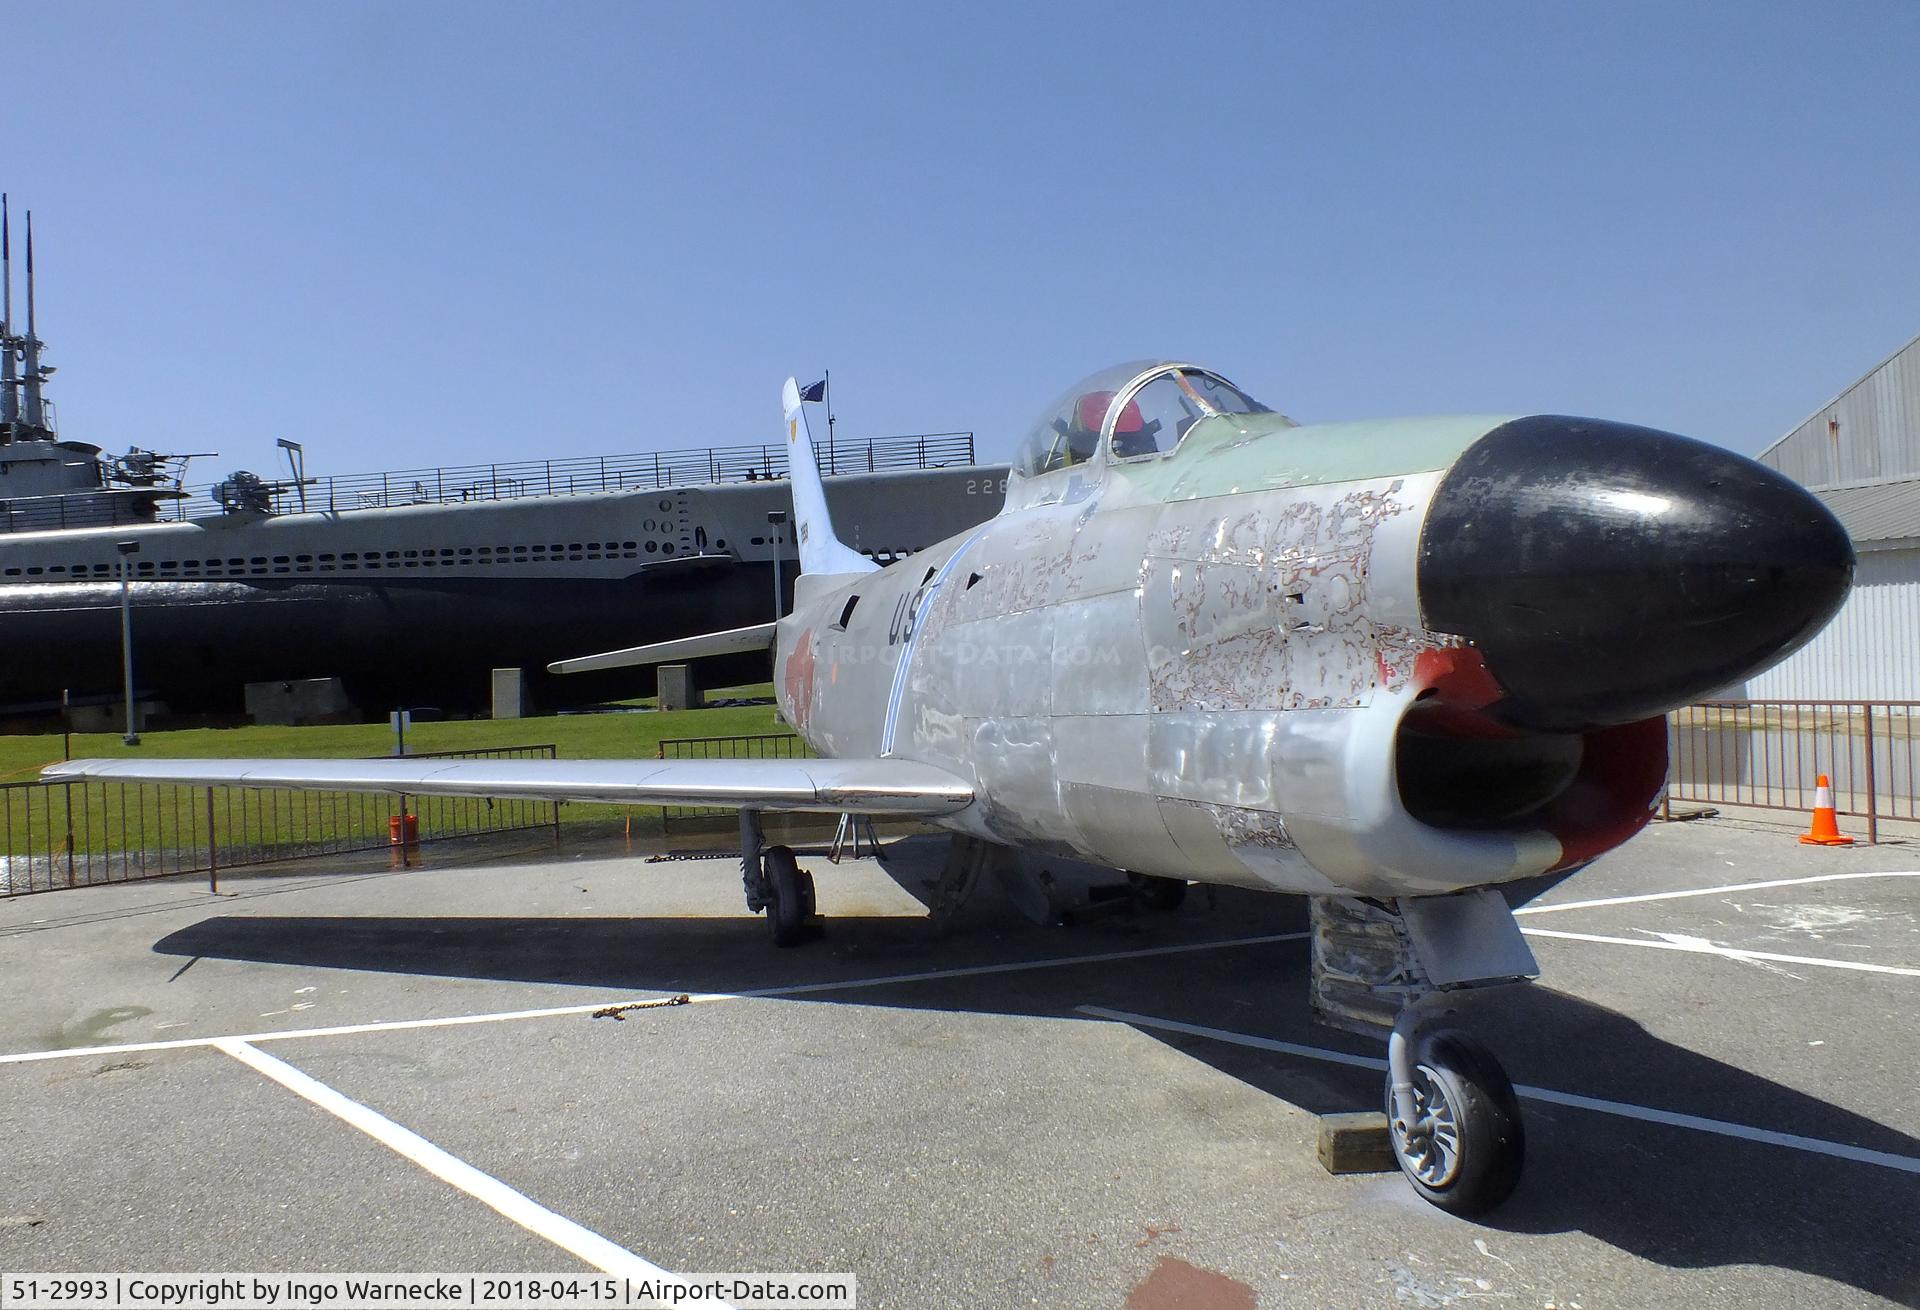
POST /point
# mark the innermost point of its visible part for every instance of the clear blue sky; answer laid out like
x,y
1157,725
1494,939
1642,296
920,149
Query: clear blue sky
x,y
412,233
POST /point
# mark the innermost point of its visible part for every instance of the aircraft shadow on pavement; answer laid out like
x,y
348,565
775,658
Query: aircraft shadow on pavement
x,y
1674,1196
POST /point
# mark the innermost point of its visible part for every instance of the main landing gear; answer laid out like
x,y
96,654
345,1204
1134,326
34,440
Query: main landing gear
x,y
1452,1116
775,882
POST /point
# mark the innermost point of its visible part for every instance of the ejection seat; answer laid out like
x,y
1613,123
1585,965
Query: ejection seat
x,y
1080,438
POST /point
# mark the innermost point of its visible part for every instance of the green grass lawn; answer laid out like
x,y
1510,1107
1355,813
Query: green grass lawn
x,y
115,818
577,736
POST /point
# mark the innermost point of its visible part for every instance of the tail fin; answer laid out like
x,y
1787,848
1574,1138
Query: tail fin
x,y
820,550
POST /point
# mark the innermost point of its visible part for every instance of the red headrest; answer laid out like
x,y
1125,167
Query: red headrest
x,y
1093,408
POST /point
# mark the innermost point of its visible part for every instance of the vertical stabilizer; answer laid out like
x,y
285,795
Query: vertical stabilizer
x,y
820,550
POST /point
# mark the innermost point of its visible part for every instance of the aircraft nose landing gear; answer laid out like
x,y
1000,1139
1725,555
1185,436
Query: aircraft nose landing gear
x,y
1452,1116
1453,1119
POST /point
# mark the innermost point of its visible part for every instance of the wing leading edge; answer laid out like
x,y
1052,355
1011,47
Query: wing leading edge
x,y
734,641
858,786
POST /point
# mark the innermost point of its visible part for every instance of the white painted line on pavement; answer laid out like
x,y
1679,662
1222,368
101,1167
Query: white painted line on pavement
x,y
1619,1109
522,1209
1701,946
588,1007
1710,891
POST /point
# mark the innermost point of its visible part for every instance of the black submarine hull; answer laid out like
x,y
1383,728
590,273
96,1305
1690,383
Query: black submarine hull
x,y
393,643
415,604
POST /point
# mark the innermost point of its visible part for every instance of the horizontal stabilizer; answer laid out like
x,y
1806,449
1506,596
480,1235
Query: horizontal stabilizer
x,y
734,641
858,786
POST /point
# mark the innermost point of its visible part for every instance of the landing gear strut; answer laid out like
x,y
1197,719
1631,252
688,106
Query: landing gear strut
x,y
1452,1116
967,859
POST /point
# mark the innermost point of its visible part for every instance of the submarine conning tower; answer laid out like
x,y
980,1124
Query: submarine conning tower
x,y
24,413
47,482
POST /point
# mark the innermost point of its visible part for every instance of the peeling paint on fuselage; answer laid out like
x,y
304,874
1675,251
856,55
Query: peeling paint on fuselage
x,y
1190,666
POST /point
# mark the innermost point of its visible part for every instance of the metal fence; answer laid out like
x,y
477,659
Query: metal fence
x,y
75,834
754,746
1769,754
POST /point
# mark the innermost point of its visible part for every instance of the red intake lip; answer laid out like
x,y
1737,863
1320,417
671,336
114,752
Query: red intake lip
x,y
1462,766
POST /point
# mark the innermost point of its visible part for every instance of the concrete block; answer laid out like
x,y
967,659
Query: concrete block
x,y
1356,1143
300,700
112,716
510,693
678,688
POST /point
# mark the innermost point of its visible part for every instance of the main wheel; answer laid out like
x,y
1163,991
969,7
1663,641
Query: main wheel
x,y
1158,893
790,905
1464,1150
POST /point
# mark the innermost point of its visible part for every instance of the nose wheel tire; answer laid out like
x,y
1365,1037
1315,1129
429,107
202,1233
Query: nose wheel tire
x,y
1464,1148
790,903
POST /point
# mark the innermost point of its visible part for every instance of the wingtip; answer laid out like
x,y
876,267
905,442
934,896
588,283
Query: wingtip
x,y
790,396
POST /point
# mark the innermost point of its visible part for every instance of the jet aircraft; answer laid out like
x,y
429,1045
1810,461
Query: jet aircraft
x,y
1415,670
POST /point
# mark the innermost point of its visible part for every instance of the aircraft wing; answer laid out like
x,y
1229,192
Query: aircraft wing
x,y
859,786
734,641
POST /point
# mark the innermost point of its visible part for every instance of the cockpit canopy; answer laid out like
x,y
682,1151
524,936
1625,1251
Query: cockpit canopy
x,y
1139,409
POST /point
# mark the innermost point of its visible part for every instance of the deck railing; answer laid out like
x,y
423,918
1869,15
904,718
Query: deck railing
x,y
651,471
73,834
84,509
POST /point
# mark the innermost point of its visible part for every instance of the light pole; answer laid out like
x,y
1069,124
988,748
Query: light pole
x,y
127,549
776,519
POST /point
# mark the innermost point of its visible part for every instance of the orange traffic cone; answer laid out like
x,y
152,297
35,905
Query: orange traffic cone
x,y
1825,832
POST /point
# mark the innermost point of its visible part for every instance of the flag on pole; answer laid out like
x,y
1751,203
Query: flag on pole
x,y
814,391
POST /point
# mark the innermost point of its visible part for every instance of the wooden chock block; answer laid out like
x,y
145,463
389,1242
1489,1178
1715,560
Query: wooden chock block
x,y
1356,1143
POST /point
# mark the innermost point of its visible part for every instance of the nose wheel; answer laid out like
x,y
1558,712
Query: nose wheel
x,y
1453,1120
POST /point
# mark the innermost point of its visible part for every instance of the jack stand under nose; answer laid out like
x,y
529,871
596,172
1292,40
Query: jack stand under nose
x,y
846,838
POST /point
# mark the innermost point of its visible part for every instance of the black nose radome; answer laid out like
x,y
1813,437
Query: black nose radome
x,y
1609,573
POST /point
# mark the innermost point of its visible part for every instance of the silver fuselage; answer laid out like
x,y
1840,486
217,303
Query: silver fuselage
x,y
1192,667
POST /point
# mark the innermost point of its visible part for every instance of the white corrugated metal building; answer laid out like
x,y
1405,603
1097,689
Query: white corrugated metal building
x,y
1860,453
